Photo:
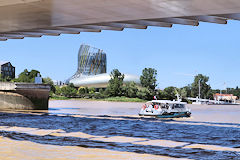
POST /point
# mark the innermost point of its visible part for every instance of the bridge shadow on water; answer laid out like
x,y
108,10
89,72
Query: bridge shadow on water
x,y
124,126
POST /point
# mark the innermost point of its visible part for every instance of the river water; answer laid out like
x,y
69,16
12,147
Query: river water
x,y
75,129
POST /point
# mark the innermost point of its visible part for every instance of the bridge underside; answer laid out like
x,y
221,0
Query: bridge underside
x,y
35,18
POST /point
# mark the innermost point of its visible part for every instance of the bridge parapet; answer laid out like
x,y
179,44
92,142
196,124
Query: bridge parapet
x,y
32,86
7,86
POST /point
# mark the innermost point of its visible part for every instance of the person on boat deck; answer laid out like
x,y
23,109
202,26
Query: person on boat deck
x,y
153,104
167,105
150,107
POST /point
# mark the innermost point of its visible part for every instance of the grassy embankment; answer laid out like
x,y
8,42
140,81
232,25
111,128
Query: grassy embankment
x,y
111,99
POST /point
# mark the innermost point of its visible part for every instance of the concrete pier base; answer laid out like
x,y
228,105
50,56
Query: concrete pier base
x,y
24,96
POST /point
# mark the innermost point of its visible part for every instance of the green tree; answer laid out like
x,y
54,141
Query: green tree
x,y
131,90
145,93
5,79
58,91
27,77
170,92
210,94
182,92
234,91
92,90
188,91
49,81
101,91
204,87
68,91
32,74
23,76
161,94
148,78
115,84
82,90
2,79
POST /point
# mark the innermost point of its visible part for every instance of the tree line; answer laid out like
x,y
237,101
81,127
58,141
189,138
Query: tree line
x,y
116,88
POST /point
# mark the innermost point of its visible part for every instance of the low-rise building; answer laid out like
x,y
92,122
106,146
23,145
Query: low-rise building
x,y
7,70
225,97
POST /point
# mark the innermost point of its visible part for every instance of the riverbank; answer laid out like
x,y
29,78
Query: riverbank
x,y
110,99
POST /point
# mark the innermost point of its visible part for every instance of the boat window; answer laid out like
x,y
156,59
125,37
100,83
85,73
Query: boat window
x,y
163,105
179,106
149,104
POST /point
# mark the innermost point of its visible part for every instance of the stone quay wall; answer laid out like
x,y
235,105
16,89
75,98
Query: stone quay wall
x,y
24,96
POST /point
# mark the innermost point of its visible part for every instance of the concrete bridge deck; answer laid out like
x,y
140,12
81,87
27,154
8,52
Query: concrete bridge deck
x,y
37,18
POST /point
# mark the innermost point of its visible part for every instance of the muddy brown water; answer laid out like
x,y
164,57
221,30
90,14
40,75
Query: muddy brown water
x,y
75,129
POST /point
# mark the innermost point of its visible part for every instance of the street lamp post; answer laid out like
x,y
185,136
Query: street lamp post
x,y
199,89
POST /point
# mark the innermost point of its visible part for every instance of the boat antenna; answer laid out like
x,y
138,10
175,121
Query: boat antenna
x,y
178,96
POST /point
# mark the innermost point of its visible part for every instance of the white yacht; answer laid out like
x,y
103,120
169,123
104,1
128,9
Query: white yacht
x,y
165,109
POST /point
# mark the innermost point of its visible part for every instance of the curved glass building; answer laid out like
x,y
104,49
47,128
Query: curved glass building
x,y
92,68
91,61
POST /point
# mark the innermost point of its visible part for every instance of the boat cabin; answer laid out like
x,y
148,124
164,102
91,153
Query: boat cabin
x,y
165,104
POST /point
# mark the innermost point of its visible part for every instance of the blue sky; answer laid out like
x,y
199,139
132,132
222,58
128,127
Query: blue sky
x,y
177,53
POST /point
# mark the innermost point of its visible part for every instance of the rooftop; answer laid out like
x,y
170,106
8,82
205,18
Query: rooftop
x,y
3,62
218,94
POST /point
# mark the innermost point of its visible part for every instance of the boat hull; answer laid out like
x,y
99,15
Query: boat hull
x,y
175,115
170,115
